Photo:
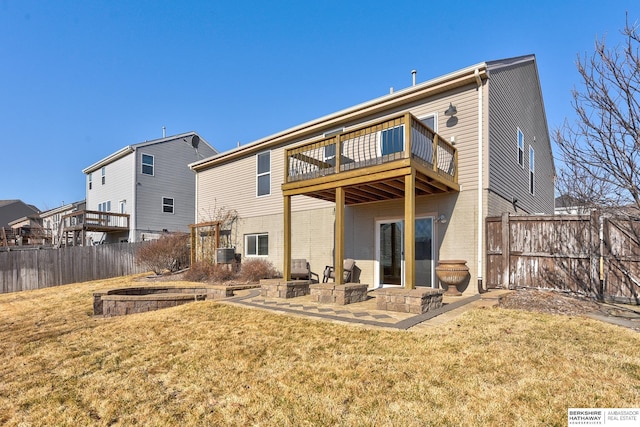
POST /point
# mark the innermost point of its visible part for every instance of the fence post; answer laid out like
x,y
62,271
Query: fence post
x,y
506,250
595,255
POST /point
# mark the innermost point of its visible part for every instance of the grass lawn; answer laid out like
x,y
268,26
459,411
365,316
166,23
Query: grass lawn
x,y
207,363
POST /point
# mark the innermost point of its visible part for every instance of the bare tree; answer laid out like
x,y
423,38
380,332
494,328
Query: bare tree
x,y
601,149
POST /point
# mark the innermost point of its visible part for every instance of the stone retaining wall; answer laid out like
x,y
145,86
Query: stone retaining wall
x,y
120,305
147,298
330,293
416,301
280,288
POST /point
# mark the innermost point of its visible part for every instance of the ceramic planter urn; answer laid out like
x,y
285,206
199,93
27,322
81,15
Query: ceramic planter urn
x,y
452,272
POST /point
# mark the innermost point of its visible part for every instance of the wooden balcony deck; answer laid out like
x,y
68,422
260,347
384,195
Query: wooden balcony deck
x,y
95,221
373,163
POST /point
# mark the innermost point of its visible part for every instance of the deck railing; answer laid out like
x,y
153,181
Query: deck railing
x,y
397,138
96,219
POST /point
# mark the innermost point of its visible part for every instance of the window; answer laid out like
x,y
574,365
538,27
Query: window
x,y
104,174
147,164
531,169
330,154
430,121
104,206
123,206
256,244
90,181
167,205
520,148
264,174
392,140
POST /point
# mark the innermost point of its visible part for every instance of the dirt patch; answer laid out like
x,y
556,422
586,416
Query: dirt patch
x,y
549,302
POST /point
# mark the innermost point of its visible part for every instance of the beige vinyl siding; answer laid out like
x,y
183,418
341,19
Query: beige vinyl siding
x,y
233,185
515,102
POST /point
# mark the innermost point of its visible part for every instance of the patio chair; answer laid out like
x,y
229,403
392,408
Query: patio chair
x,y
347,267
301,270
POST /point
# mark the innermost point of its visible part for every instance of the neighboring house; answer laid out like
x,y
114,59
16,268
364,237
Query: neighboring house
x,y
140,191
28,230
11,210
439,156
568,205
52,220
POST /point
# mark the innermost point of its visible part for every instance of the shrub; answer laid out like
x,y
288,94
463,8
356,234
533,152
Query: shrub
x,y
222,273
204,271
170,252
255,269
200,271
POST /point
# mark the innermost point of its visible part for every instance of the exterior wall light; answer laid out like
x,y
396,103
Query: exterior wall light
x,y
451,111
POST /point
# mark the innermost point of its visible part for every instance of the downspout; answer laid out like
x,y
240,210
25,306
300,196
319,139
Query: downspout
x,y
134,208
476,73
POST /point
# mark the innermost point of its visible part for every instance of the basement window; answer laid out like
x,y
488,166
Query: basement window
x,y
256,244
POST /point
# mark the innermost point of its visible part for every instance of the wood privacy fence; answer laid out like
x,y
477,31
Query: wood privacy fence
x,y
593,255
26,269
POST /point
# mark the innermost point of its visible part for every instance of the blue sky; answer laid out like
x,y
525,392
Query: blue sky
x,y
81,79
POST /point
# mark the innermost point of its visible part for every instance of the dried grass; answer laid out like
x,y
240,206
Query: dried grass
x,y
207,363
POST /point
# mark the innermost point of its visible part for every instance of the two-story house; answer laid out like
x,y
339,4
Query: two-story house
x,y
396,183
10,211
140,191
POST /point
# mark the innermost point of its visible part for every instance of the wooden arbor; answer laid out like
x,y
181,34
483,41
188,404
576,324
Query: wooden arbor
x,y
396,158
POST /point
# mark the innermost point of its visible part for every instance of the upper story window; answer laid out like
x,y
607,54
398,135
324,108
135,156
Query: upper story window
x,y
104,174
264,173
392,140
520,148
430,121
147,164
90,181
167,205
104,206
532,169
330,154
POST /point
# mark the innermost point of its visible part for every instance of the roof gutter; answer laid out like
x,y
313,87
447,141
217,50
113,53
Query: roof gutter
x,y
115,156
429,88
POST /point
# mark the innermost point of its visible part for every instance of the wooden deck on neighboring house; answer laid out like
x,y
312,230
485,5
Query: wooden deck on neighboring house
x,y
74,226
395,158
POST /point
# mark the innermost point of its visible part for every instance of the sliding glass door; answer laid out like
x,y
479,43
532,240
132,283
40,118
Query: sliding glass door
x,y
390,252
